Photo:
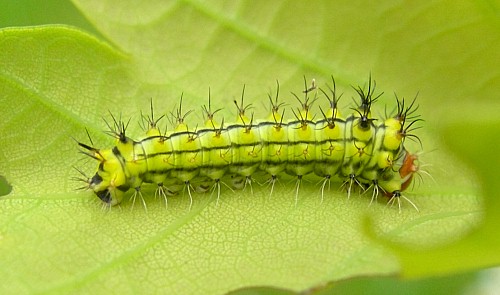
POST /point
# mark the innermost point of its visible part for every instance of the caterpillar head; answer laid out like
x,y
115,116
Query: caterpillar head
x,y
408,169
396,181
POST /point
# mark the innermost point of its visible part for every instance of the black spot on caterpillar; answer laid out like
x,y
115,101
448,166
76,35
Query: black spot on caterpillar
x,y
358,149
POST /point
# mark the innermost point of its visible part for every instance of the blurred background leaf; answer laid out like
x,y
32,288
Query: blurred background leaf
x,y
33,12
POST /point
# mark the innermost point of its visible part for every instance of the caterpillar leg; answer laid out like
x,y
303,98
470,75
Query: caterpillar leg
x,y
396,197
349,183
105,207
248,181
297,186
326,180
272,181
187,186
138,193
216,185
161,192
375,192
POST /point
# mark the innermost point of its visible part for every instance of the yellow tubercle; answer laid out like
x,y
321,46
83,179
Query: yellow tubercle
x,y
153,132
392,137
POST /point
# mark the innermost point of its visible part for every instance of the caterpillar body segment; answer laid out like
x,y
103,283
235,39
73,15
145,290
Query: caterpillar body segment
x,y
359,150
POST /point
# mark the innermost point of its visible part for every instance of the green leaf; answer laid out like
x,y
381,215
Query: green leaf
x,y
386,285
34,12
55,81
5,187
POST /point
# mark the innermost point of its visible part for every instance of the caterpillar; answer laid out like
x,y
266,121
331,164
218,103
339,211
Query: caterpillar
x,y
359,150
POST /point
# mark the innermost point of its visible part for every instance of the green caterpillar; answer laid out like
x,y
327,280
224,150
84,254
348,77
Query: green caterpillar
x,y
358,149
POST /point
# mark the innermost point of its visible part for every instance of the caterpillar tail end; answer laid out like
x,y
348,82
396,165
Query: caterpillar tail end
x,y
109,183
110,196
